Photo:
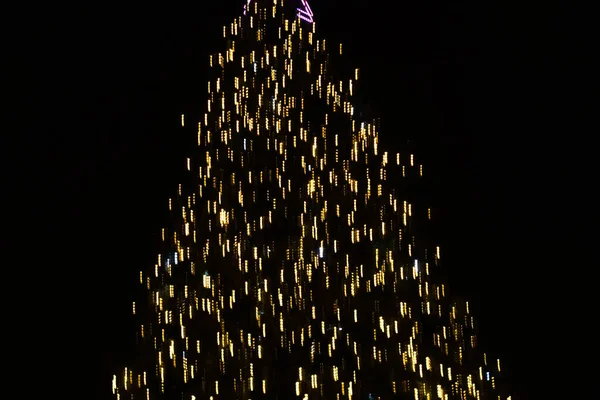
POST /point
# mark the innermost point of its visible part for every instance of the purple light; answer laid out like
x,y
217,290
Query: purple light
x,y
246,6
307,19
304,13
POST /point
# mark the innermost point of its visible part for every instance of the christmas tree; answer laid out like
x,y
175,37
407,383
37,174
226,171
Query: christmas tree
x,y
297,264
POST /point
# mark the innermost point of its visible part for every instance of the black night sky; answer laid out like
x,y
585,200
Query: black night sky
x,y
112,81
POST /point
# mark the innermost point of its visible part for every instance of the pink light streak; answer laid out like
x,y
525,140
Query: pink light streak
x,y
246,6
304,13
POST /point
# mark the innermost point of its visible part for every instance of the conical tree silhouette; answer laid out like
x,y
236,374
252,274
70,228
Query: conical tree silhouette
x,y
294,268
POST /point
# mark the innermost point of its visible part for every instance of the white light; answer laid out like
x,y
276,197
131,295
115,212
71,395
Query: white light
x,y
321,252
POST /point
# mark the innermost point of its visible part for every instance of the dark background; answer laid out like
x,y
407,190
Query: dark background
x,y
464,82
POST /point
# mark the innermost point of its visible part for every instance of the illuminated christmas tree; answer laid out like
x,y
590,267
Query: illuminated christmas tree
x,y
294,268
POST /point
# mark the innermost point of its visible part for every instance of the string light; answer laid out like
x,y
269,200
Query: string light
x,y
293,267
